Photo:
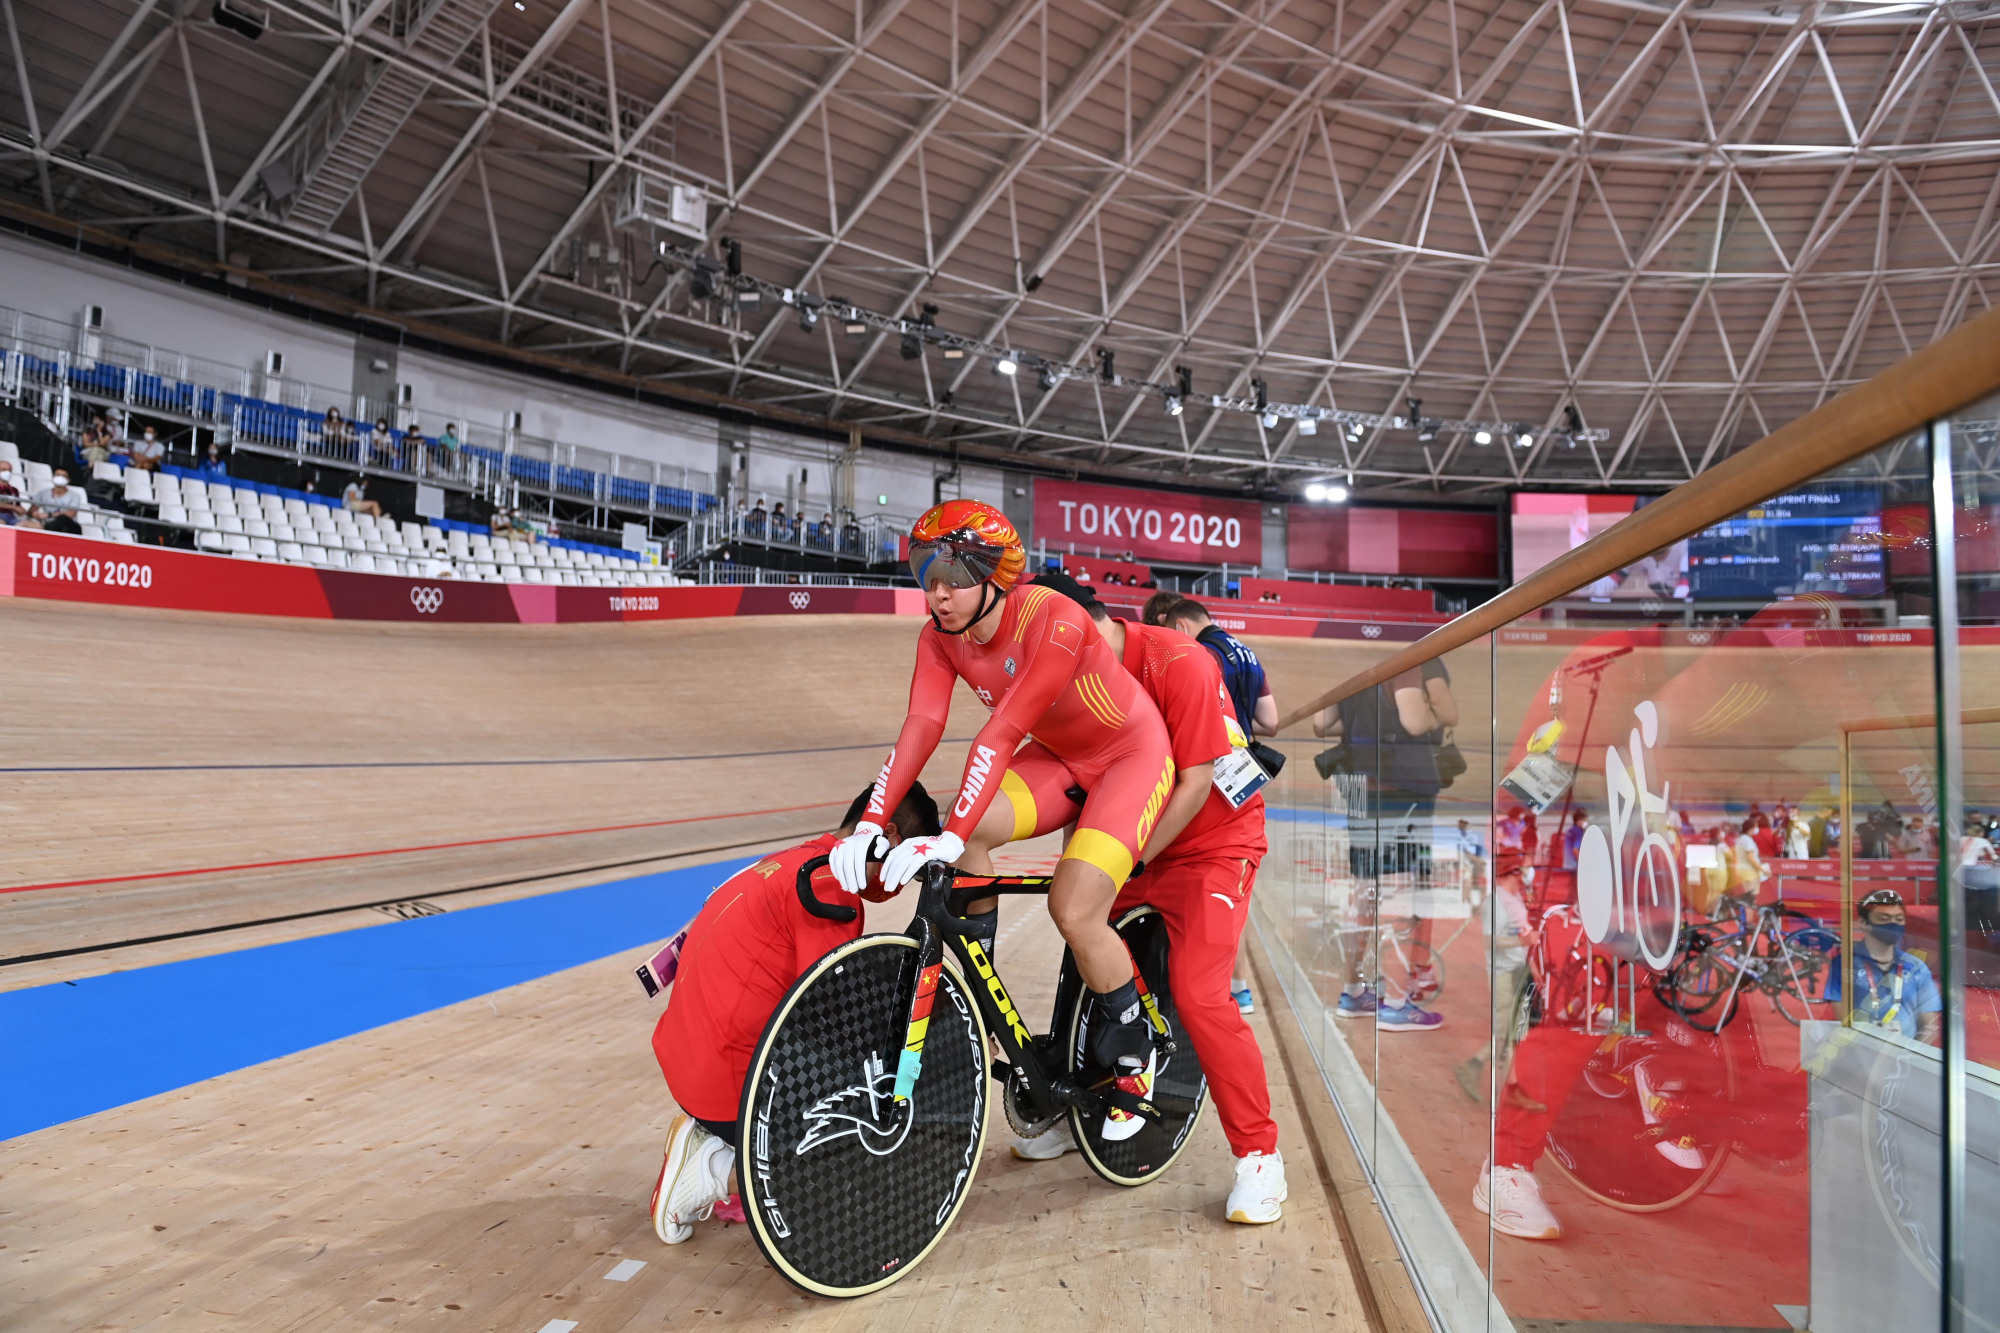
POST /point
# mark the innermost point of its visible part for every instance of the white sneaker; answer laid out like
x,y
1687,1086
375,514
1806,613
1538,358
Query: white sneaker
x,y
1047,1145
1259,1188
694,1177
1515,1204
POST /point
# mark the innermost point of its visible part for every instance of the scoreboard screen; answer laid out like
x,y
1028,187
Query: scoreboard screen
x,y
1823,540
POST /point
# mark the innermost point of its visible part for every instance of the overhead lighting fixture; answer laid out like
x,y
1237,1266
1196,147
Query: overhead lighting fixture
x,y
1048,377
1482,437
1173,405
1257,393
749,299
1316,492
701,278
1336,494
852,325
1005,364
1354,432
1573,419
808,311
732,256
1185,379
954,354
912,345
1105,371
1526,439
1308,425
1269,419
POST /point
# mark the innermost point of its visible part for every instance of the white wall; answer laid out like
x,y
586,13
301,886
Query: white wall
x,y
56,284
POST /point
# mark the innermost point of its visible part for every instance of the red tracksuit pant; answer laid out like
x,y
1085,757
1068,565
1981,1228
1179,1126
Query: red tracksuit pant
x,y
1206,903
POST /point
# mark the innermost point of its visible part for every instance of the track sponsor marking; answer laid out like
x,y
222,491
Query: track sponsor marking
x,y
626,1270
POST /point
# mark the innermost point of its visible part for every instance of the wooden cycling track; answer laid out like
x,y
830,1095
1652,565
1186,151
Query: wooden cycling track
x,y
481,1166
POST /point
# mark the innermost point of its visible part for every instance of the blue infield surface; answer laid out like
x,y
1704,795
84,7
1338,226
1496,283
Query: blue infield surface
x,y
72,1049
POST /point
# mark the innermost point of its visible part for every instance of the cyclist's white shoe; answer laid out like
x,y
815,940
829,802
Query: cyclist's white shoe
x,y
1120,1125
694,1177
1259,1188
1680,1149
1047,1145
1514,1202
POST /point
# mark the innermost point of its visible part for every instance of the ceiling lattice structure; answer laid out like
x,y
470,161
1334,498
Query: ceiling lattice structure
x,y
1692,222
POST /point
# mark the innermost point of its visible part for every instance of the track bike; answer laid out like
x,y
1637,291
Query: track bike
x,y
1785,959
864,1112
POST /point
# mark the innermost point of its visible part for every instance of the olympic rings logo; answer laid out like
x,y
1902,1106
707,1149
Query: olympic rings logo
x,y
426,600
801,600
1371,631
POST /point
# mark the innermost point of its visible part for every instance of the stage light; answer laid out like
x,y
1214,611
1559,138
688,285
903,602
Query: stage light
x,y
1354,432
1185,379
852,326
1270,419
750,299
808,311
1482,437
1005,364
701,278
1262,399
1573,419
1173,405
1315,492
912,345
1048,377
732,254
954,354
1104,366
1525,439
1335,494
1308,426
1415,407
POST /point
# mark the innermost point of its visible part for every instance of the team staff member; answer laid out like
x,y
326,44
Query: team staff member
x,y
1200,864
751,941
1034,658
1893,988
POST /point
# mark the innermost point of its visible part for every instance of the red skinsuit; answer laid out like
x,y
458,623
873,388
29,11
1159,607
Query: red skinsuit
x,y
1200,884
751,941
1048,670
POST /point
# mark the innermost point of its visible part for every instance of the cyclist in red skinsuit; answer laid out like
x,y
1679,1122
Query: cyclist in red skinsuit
x,y
1200,863
750,942
1036,660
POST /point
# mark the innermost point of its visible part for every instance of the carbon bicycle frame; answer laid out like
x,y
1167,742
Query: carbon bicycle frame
x,y
940,924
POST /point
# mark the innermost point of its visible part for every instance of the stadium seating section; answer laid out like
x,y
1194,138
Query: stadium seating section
x,y
255,521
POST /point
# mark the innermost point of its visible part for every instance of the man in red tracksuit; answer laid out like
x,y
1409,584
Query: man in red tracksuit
x,y
751,941
1200,863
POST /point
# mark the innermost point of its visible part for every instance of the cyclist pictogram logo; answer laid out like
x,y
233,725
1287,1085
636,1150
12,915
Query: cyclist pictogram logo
x,y
1629,896
1371,631
868,1111
427,600
801,600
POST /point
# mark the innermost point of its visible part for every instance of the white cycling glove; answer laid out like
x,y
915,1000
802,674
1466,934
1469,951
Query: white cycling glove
x,y
911,855
850,856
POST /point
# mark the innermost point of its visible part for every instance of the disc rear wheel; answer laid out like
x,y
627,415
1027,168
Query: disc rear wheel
x,y
845,1189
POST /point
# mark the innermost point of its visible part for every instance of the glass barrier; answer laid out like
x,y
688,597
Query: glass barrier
x,y
1652,960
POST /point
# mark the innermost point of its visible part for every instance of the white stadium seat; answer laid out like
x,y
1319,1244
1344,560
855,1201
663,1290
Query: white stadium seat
x,y
228,522
173,513
291,551
139,487
263,546
209,541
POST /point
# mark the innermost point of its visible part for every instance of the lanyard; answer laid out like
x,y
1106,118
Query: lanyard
x,y
1888,1017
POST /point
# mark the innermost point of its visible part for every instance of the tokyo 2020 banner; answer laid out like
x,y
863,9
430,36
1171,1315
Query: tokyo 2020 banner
x,y
1152,525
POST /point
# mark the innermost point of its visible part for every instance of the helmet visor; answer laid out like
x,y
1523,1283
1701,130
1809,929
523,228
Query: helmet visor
x,y
958,564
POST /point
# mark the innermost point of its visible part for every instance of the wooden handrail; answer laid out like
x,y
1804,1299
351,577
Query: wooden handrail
x,y
1959,368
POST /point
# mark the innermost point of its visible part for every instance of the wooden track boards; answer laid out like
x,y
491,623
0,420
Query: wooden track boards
x,y
483,1165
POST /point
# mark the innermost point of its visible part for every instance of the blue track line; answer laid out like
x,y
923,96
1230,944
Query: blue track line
x,y
75,1048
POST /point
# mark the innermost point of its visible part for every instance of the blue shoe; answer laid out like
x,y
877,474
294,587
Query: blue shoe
x,y
1406,1017
1356,1006
1244,1004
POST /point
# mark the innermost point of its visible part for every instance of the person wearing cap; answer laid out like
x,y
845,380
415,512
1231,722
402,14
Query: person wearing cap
x,y
1893,988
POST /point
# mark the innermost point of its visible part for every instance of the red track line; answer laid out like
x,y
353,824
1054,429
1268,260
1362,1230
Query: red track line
x,y
400,851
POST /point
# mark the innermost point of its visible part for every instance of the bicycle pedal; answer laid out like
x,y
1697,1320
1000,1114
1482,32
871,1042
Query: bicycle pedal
x,y
1001,1071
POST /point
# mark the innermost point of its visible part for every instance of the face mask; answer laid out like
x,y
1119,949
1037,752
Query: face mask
x,y
1888,932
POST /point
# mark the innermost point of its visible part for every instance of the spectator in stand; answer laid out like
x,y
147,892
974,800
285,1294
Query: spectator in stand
x,y
56,508
95,441
355,497
449,441
1715,875
760,518
780,524
148,452
334,430
1083,576
1157,606
1579,821
212,465
1822,832
12,511
826,528
382,443
1914,843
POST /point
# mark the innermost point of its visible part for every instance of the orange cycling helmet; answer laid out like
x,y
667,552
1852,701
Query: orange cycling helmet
x,y
967,544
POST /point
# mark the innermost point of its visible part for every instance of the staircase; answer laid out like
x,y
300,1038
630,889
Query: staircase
x,y
348,133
